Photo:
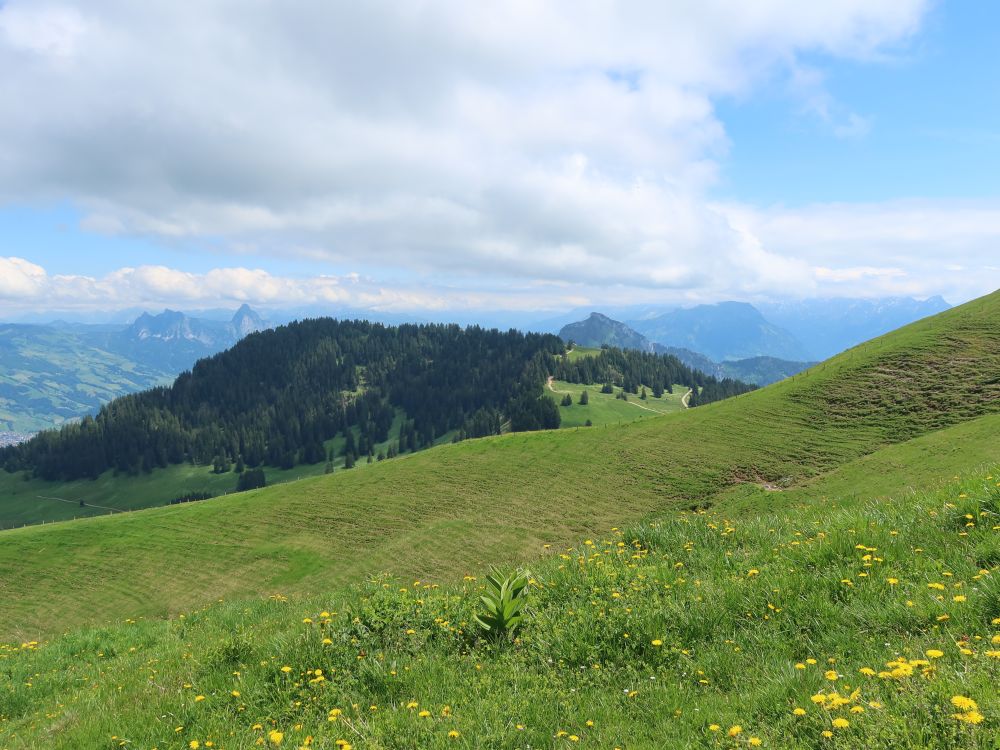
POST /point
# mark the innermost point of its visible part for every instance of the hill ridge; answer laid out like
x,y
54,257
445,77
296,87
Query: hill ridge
x,y
474,503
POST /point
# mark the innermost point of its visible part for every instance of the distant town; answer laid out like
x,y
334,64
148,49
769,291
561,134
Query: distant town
x,y
13,438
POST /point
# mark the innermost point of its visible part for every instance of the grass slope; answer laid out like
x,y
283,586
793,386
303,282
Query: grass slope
x,y
834,624
457,508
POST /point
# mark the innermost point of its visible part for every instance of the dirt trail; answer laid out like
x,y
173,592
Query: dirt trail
x,y
77,502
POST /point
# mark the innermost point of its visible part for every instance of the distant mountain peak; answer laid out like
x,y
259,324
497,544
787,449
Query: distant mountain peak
x,y
246,320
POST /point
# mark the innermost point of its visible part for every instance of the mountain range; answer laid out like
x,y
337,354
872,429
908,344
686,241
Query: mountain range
x,y
599,330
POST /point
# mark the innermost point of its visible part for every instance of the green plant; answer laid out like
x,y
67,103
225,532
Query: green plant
x,y
504,601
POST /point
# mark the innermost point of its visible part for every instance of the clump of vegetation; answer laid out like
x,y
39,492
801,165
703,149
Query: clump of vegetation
x,y
189,497
503,602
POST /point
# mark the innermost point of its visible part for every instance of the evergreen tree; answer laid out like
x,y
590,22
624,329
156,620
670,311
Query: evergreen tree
x,y
584,398
567,400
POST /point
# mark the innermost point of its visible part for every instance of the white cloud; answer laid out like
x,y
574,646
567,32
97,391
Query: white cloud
x,y
562,142
891,248
24,285
20,279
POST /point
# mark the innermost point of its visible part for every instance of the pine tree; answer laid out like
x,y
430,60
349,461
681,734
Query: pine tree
x,y
584,398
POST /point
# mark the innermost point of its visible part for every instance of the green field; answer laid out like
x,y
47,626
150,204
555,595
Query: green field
x,y
814,564
845,624
456,508
606,408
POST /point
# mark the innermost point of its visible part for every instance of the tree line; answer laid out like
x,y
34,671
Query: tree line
x,y
279,396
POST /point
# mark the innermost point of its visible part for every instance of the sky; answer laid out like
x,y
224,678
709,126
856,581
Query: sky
x,y
530,156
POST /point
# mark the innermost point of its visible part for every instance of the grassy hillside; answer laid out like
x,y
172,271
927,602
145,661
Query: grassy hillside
x,y
458,508
836,624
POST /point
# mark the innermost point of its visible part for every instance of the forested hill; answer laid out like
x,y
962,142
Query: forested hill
x,y
278,396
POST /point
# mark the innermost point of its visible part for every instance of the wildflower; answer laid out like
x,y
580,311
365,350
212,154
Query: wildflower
x,y
958,598
892,581
970,717
276,737
800,665
286,669
827,733
799,711
453,734
657,642
194,744
424,714
755,742
840,723
714,727
734,730
963,704
831,674
199,698
933,653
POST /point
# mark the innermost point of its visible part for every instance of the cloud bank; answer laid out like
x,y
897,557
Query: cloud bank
x,y
561,143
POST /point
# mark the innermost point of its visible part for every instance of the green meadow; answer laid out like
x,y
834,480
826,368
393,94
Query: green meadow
x,y
813,564
607,408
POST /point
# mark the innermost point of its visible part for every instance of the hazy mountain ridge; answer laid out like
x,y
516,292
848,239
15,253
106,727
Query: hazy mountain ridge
x,y
600,330
829,326
724,331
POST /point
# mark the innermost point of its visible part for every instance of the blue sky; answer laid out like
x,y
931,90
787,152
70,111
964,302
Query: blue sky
x,y
934,123
461,158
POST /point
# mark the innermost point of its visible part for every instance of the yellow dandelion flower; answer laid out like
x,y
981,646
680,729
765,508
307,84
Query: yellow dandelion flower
x,y
840,723
933,653
970,717
799,711
734,730
963,703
